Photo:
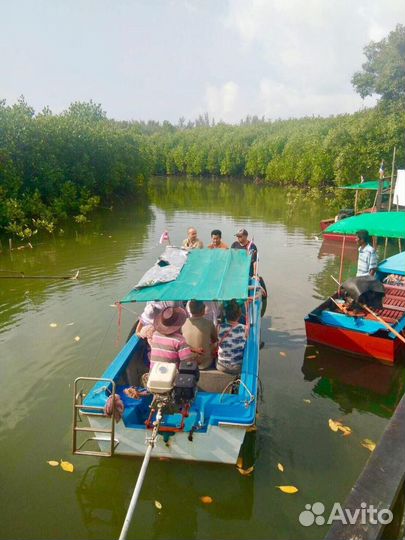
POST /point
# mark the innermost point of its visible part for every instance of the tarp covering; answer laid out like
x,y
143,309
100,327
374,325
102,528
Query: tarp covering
x,y
209,274
394,264
384,224
399,193
372,185
167,268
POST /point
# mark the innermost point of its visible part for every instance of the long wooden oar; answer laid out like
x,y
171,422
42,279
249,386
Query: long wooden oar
x,y
23,276
388,326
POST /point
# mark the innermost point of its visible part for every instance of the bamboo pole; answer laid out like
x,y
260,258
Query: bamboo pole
x,y
23,276
388,326
342,255
392,179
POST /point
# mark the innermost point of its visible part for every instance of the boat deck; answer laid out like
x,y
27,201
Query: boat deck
x,y
394,304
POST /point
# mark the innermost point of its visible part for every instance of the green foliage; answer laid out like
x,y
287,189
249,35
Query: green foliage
x,y
384,71
59,167
56,166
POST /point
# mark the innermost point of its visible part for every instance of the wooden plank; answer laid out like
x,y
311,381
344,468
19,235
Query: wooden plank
x,y
380,483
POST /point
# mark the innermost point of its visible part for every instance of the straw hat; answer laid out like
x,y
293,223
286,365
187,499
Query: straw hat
x,y
170,320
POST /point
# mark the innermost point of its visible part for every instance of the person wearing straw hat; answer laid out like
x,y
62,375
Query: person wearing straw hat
x,y
167,343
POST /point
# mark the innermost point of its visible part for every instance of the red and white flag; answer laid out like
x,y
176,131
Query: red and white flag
x,y
164,238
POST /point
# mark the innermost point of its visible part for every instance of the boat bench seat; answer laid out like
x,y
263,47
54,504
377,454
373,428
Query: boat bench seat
x,y
214,381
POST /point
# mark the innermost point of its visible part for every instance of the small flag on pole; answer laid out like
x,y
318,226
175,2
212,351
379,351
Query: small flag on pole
x,y
164,238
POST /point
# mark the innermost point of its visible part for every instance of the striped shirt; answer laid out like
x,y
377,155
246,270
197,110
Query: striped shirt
x,y
367,260
172,348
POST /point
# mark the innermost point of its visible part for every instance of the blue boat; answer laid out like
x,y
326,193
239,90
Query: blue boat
x,y
212,426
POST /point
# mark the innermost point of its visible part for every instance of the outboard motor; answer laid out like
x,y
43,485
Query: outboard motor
x,y
185,384
365,290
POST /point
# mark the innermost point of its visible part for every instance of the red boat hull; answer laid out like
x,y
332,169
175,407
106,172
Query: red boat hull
x,y
384,349
339,237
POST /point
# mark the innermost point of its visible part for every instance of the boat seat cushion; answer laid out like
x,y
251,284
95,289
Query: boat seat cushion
x,y
212,380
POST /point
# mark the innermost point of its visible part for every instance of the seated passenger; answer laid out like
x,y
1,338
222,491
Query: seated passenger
x,y
231,340
216,240
201,334
144,325
192,241
167,343
213,311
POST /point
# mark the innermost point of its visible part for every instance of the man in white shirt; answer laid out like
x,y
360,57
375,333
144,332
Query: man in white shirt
x,y
367,261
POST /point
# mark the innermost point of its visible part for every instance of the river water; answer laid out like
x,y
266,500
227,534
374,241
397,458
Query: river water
x,y
39,363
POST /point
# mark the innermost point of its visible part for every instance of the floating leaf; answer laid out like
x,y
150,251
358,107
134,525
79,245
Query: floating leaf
x,y
66,466
346,430
334,424
239,462
53,463
77,338
311,357
288,489
280,467
306,400
158,505
206,499
53,325
282,353
246,472
369,444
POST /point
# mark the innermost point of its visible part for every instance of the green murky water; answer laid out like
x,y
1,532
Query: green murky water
x,y
38,364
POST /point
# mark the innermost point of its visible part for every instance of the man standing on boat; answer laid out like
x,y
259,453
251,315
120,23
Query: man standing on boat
x,y
243,242
192,242
367,261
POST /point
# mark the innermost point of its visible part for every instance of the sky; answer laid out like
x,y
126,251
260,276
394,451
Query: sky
x,y
167,59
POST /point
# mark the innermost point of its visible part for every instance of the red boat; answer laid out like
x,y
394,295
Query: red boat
x,y
372,185
378,334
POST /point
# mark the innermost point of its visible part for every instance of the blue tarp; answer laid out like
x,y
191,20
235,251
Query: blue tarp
x,y
394,264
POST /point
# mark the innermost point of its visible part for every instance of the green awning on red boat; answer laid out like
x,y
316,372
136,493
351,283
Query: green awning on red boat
x,y
208,274
383,224
371,185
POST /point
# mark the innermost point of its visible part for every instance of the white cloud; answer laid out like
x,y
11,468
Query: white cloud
x,y
221,102
309,49
280,101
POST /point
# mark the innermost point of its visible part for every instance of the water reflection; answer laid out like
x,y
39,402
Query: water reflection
x,y
237,199
331,247
352,382
99,251
105,490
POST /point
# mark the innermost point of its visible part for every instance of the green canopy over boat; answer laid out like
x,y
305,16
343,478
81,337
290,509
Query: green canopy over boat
x,y
384,224
371,185
208,274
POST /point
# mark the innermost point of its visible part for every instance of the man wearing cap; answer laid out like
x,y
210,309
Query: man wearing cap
x,y
167,343
243,242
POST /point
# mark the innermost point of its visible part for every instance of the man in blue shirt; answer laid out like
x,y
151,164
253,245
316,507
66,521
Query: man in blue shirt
x,y
367,261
